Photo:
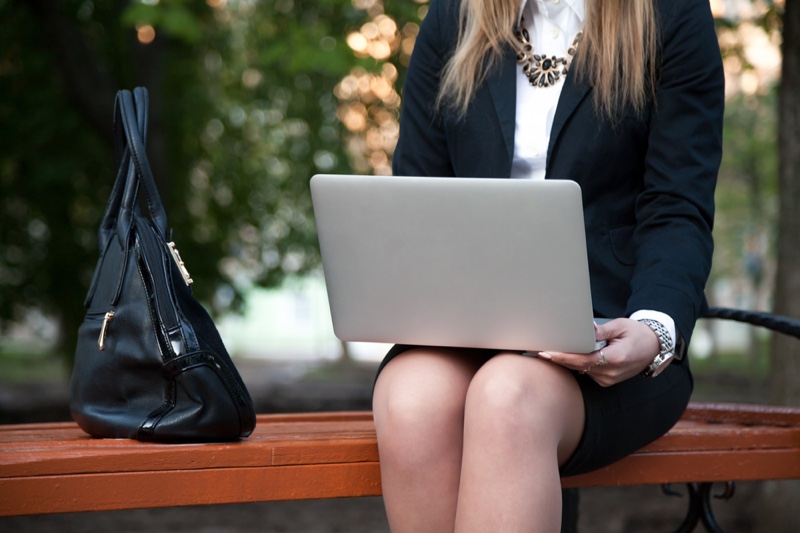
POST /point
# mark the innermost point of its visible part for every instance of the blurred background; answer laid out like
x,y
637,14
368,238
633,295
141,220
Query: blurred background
x,y
249,99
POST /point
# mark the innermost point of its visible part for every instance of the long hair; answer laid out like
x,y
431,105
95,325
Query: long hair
x,y
617,53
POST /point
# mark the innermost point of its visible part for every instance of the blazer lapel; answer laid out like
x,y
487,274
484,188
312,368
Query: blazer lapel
x,y
572,95
503,88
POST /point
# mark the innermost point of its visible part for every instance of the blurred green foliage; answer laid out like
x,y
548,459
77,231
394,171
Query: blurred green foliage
x,y
745,225
243,113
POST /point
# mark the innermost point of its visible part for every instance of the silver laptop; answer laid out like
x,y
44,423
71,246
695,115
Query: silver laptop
x,y
463,262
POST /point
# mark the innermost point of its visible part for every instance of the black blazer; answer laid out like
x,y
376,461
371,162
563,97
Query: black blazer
x,y
648,181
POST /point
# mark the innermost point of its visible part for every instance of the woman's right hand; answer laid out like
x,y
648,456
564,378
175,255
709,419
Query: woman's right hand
x,y
631,348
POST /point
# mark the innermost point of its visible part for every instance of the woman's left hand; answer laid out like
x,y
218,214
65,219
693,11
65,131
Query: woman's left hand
x,y
632,346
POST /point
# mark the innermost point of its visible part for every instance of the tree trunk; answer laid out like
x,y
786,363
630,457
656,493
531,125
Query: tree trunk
x,y
786,350
88,81
91,85
780,510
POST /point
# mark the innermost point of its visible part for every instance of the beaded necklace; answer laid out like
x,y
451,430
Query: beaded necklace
x,y
543,71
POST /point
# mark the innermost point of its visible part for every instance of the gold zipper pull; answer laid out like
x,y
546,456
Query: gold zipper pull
x,y
101,341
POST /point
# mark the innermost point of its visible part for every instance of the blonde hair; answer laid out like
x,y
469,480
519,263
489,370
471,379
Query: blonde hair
x,y
617,54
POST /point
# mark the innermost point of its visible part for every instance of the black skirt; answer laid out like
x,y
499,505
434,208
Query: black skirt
x,y
619,419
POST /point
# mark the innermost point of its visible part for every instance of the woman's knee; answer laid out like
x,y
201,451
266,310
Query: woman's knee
x,y
404,409
419,397
513,394
509,383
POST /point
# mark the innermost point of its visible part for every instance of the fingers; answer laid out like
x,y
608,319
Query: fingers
x,y
583,363
611,329
597,365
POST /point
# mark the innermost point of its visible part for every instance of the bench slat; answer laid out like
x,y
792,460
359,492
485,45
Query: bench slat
x,y
697,466
135,490
741,413
318,440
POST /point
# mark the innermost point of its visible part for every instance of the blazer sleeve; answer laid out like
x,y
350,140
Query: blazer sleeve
x,y
675,209
422,148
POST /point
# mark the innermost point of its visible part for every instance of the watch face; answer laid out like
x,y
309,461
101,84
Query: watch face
x,y
660,364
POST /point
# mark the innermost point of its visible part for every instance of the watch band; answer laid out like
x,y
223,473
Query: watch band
x,y
666,347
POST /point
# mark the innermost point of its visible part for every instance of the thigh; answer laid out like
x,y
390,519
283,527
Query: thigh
x,y
418,407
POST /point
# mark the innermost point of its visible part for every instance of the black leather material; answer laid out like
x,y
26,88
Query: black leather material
x,y
163,373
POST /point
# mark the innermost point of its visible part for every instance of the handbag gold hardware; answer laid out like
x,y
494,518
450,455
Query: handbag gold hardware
x,y
177,257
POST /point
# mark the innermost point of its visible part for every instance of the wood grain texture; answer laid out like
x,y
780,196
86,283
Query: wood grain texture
x,y
54,468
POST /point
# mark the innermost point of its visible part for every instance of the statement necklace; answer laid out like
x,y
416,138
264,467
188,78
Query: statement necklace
x,y
543,71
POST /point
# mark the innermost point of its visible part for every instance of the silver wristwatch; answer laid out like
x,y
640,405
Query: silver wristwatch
x,y
667,350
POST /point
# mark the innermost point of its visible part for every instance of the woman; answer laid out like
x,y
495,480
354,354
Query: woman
x,y
475,440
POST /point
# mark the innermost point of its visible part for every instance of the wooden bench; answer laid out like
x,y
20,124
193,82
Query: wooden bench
x,y
56,468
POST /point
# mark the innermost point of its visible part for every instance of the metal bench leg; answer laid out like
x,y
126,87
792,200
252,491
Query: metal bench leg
x,y
569,510
700,506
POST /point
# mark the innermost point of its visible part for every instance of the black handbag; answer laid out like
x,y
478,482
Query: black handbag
x,y
149,364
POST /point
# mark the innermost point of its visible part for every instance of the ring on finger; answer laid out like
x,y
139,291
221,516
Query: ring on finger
x,y
602,361
586,370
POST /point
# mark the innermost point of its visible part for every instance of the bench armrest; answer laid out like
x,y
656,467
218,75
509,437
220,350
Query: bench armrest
x,y
782,324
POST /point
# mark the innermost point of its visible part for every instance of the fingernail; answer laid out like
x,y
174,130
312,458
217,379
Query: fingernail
x,y
546,355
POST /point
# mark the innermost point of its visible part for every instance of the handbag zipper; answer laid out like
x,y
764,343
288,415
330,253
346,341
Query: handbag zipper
x,y
101,341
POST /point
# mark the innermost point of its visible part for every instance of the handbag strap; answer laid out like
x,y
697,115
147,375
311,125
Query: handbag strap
x,y
129,115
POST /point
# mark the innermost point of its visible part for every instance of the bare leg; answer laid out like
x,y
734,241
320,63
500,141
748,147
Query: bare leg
x,y
418,407
523,418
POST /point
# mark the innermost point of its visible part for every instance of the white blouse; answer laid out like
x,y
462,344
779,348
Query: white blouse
x,y
552,26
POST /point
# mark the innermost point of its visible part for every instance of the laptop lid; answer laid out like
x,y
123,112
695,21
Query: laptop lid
x,y
466,262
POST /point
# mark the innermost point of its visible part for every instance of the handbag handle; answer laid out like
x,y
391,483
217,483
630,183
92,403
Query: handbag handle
x,y
142,173
122,151
142,104
126,174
